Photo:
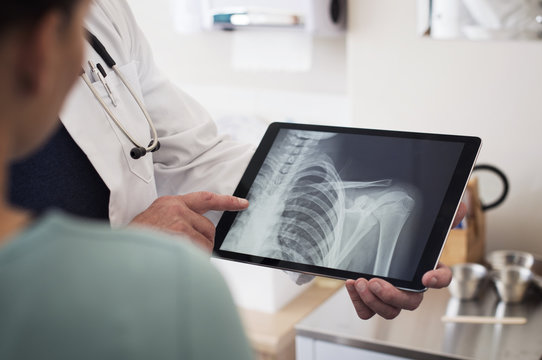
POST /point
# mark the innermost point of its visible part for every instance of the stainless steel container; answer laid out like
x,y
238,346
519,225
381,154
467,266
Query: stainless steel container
x,y
511,282
503,258
468,280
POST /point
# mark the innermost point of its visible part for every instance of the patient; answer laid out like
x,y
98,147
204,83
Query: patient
x,y
72,289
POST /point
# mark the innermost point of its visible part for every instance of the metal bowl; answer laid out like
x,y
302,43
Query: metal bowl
x,y
468,279
502,258
511,282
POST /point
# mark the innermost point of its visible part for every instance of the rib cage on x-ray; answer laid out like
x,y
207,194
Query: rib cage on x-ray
x,y
301,211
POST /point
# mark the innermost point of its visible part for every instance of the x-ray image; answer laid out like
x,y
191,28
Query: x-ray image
x,y
330,200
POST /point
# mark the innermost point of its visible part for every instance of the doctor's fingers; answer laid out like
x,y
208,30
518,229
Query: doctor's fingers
x,y
204,201
363,311
200,229
385,299
439,278
460,214
388,301
198,232
199,239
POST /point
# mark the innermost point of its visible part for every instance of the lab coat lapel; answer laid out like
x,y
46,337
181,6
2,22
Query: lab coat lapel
x,y
90,128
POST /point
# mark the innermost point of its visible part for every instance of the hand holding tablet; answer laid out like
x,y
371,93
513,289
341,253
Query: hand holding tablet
x,y
379,297
348,203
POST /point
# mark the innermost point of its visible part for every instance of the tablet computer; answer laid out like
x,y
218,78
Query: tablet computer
x,y
348,202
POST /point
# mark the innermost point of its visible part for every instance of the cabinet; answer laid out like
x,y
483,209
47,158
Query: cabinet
x,y
333,331
311,349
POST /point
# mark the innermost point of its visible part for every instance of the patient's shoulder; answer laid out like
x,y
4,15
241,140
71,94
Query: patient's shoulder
x,y
65,237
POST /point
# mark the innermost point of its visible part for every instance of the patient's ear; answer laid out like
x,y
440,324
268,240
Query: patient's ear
x,y
37,55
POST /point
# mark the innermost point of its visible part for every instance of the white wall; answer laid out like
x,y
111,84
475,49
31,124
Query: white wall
x,y
397,80
205,58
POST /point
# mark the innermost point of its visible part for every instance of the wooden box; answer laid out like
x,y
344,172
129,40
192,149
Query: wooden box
x,y
467,244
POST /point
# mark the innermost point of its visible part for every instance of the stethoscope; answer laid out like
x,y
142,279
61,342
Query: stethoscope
x,y
100,74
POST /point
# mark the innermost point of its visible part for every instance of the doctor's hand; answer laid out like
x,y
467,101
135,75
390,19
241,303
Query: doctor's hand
x,y
183,214
377,296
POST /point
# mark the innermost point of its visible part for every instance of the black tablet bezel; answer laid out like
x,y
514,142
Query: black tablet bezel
x,y
439,232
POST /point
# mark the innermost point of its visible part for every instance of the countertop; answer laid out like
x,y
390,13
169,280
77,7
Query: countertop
x,y
421,334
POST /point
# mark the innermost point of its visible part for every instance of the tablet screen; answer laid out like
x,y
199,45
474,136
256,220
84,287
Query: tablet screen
x,y
338,201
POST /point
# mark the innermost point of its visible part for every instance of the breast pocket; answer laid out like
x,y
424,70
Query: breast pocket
x,y
130,116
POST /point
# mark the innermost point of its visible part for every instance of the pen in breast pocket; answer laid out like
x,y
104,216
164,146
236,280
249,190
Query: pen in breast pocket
x,y
98,72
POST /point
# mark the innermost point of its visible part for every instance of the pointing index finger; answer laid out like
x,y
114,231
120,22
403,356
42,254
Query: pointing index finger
x,y
204,201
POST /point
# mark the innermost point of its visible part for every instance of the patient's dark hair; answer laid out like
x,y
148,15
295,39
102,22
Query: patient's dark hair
x,y
20,13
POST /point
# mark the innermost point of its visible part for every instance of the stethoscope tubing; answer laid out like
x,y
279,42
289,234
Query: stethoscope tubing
x,y
100,49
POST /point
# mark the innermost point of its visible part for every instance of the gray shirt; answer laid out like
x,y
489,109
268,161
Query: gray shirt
x,y
73,289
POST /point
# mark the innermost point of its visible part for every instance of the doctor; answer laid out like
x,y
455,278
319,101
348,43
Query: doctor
x,y
131,142
87,168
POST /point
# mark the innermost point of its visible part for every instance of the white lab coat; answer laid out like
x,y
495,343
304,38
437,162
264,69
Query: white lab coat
x,y
192,156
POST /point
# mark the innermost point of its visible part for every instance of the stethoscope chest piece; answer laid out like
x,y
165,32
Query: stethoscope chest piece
x,y
138,152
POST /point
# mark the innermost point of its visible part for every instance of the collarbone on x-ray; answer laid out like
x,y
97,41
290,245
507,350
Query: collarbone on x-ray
x,y
302,211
